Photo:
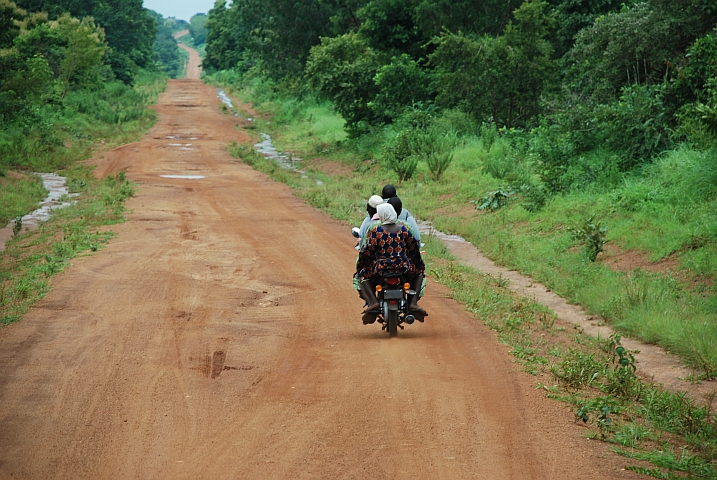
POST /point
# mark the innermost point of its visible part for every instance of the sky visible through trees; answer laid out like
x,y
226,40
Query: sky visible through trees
x,y
180,9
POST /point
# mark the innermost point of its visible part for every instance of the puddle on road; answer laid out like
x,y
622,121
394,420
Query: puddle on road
x,y
179,137
184,177
57,188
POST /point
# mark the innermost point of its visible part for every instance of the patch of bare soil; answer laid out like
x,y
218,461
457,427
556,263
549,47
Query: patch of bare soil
x,y
328,167
218,336
630,260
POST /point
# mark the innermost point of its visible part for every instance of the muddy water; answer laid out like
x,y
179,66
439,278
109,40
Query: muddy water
x,y
230,105
57,188
265,147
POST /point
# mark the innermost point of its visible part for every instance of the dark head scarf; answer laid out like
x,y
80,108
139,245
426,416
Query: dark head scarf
x,y
396,203
388,192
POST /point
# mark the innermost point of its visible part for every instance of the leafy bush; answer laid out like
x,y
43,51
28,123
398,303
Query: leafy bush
x,y
401,84
342,70
398,154
593,236
494,200
441,154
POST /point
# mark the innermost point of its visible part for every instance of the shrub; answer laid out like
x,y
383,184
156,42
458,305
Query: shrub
x,y
398,154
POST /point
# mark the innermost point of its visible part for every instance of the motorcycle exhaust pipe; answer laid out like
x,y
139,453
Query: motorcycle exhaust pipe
x,y
409,319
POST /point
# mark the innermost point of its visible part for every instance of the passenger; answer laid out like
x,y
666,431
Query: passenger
x,y
388,247
407,220
371,216
388,192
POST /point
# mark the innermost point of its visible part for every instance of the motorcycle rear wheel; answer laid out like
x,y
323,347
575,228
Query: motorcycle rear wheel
x,y
392,323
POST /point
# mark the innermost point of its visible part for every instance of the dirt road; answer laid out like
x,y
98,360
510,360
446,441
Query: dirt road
x,y
193,65
218,337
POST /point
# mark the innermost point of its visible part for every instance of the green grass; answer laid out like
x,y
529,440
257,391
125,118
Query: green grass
x,y
19,196
31,258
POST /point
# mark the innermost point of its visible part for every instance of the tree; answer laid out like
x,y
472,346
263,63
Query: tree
x,y
198,28
400,85
499,78
129,29
633,46
10,17
342,70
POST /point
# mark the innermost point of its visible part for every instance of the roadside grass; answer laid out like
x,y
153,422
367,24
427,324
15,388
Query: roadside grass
x,y
18,195
31,258
88,122
668,434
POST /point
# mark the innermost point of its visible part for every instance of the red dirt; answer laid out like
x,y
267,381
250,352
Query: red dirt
x,y
218,337
194,70
629,260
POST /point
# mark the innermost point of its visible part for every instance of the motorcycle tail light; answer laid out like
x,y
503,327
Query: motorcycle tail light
x,y
379,288
393,281
406,286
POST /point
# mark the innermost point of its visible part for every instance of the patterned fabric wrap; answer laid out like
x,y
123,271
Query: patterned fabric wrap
x,y
389,252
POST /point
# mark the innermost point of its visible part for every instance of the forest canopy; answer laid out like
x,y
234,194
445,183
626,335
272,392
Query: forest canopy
x,y
634,78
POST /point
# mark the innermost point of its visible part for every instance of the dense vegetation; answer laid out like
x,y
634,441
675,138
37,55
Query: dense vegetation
x,y
631,78
61,85
168,57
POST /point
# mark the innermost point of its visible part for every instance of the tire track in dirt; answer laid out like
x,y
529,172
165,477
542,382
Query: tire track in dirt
x,y
218,336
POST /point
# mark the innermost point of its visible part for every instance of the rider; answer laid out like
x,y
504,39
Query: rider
x,y
389,246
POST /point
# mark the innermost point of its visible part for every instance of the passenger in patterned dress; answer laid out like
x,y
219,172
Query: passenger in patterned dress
x,y
389,247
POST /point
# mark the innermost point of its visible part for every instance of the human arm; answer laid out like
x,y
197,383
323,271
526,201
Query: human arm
x,y
411,224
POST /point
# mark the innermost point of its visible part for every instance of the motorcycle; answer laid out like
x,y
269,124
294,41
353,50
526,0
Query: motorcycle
x,y
394,294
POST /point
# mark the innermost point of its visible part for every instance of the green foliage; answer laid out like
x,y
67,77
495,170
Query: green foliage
x,y
198,28
499,78
10,16
622,48
399,154
598,409
168,57
271,35
438,152
401,84
574,15
342,70
128,27
388,25
592,234
494,200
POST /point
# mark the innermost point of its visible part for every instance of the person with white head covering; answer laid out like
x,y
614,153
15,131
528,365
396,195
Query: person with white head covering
x,y
372,216
388,247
